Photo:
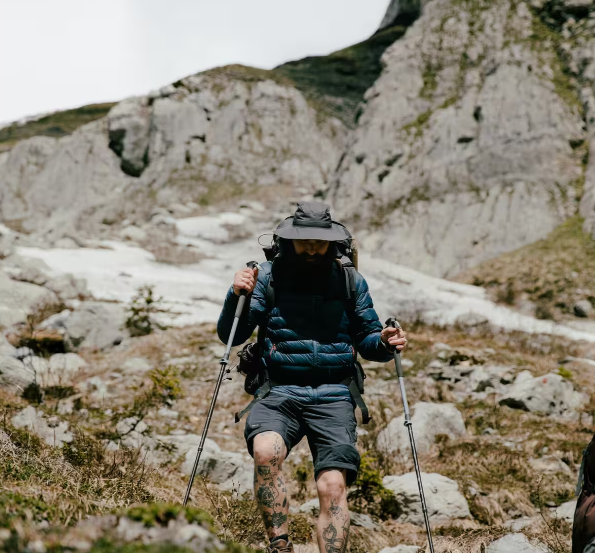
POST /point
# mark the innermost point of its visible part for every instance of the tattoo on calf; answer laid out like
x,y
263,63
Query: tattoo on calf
x,y
332,543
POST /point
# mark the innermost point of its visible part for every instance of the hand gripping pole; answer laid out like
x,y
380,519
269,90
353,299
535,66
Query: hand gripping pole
x,y
395,324
223,371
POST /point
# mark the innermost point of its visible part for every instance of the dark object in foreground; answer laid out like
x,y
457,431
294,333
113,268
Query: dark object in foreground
x,y
583,533
224,370
395,324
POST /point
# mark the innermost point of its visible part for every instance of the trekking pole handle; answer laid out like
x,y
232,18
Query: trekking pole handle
x,y
397,354
244,293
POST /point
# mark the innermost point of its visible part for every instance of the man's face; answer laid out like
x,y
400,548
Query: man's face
x,y
311,249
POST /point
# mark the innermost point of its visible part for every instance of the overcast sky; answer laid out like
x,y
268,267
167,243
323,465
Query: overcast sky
x,y
57,54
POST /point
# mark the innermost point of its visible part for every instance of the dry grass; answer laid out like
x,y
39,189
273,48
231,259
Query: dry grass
x,y
553,273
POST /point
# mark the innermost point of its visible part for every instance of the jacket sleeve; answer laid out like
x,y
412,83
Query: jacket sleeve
x,y
251,318
367,326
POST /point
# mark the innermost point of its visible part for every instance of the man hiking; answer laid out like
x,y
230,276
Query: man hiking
x,y
314,316
583,531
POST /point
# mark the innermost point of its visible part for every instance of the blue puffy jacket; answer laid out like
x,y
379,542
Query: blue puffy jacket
x,y
306,340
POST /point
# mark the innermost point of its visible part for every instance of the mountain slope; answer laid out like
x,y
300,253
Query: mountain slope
x,y
471,142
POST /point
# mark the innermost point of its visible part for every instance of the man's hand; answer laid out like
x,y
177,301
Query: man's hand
x,y
245,280
394,337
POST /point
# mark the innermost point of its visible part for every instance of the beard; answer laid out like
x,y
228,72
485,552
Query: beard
x,y
304,272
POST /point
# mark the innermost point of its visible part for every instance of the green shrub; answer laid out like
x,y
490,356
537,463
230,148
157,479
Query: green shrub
x,y
142,310
370,495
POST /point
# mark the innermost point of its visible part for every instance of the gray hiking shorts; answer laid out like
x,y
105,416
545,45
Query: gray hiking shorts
x,y
325,415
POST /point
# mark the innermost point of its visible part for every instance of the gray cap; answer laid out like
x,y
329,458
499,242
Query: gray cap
x,y
312,221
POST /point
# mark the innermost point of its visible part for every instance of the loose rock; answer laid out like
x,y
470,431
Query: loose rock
x,y
444,500
53,432
515,543
429,421
550,394
96,325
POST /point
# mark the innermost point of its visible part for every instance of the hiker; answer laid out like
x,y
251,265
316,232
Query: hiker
x,y
583,531
314,314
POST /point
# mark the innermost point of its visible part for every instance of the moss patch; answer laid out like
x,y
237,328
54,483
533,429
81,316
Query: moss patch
x,y
56,125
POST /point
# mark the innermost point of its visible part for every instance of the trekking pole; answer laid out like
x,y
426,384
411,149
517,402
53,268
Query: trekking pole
x,y
224,370
395,324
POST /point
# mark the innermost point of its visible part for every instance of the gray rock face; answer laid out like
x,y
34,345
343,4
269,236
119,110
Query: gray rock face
x,y
96,325
14,374
444,500
515,543
51,430
18,299
429,420
225,129
451,154
550,394
129,126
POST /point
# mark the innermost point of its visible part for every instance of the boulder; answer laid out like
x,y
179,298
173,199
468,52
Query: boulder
x,y
96,325
7,242
14,374
19,299
471,319
134,234
311,507
549,464
444,500
550,394
129,123
363,521
583,309
429,421
61,370
67,287
6,348
515,543
228,470
566,511
26,269
52,431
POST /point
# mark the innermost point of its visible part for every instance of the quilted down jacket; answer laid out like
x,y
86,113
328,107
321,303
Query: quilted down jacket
x,y
309,338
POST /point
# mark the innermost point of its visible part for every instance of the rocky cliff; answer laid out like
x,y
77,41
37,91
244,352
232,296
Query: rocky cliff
x,y
469,138
470,144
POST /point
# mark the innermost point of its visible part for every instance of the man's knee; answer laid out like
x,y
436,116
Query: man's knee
x,y
331,484
269,449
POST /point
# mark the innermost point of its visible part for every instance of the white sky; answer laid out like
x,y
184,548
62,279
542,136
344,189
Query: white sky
x,y
57,54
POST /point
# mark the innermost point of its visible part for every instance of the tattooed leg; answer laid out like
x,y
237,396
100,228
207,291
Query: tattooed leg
x,y
269,486
333,522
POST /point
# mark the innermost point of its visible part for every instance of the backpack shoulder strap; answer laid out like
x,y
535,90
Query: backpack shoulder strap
x,y
270,303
